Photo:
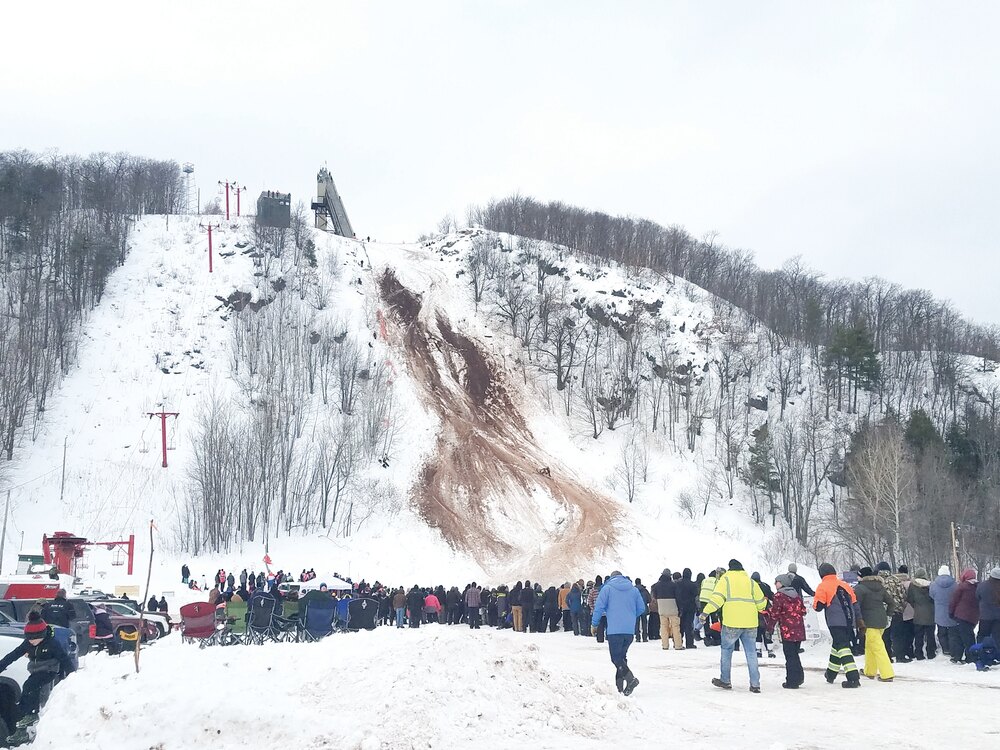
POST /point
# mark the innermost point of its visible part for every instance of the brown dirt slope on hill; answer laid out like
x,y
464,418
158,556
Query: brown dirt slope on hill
x,y
484,449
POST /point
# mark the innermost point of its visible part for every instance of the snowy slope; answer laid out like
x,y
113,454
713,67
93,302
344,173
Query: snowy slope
x,y
161,340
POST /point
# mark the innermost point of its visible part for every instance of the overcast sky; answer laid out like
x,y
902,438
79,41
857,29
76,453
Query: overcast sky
x,y
860,135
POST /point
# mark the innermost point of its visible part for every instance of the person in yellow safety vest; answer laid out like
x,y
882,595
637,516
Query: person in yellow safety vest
x,y
711,637
740,599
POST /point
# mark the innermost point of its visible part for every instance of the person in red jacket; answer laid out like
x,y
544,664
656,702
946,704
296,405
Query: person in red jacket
x,y
789,613
964,609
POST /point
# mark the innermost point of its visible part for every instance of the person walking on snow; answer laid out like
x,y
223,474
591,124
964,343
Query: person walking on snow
x,y
836,600
740,600
798,582
621,603
789,613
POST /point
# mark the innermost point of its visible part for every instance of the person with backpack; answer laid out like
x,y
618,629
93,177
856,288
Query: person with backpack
x,y
875,602
897,597
740,601
836,600
788,612
618,604
642,623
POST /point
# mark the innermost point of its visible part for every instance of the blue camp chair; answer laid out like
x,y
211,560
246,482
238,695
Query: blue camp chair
x,y
316,618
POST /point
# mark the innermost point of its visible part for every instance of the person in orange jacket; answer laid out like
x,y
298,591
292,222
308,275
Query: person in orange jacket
x,y
837,602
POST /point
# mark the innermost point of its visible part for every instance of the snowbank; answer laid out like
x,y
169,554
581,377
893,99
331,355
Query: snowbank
x,y
450,687
435,687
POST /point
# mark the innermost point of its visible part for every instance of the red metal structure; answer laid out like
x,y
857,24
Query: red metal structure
x,y
163,428
209,227
64,549
238,190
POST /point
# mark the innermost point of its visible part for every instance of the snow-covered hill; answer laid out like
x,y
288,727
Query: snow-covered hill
x,y
162,339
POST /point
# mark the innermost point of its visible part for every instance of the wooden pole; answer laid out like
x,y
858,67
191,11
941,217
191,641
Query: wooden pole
x,y
142,604
62,486
954,552
3,535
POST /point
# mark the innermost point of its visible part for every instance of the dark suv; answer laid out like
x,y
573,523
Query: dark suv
x,y
82,624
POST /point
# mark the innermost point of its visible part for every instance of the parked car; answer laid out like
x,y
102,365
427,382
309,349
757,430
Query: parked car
x,y
82,625
119,622
65,636
11,681
161,620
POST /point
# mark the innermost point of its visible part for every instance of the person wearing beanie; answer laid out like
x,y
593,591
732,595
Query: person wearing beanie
x,y
964,609
687,606
988,594
665,593
47,662
740,601
918,596
789,613
874,601
941,590
836,600
798,582
621,603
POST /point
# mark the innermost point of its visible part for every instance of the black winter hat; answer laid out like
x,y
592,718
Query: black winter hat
x,y
735,565
883,566
825,569
865,572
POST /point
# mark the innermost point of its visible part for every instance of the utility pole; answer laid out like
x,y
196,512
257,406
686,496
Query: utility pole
x,y
226,183
209,227
62,486
238,190
163,428
3,534
954,551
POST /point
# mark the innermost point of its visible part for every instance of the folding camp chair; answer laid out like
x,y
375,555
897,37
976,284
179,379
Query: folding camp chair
x,y
362,614
236,616
316,621
198,623
264,624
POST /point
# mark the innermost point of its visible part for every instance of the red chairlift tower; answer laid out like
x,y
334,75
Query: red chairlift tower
x,y
64,550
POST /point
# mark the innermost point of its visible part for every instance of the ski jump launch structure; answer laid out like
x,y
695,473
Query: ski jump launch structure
x,y
330,212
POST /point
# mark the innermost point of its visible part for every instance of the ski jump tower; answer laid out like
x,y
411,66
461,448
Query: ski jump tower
x,y
330,212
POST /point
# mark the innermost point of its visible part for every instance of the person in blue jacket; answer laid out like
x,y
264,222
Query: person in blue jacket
x,y
622,603
574,600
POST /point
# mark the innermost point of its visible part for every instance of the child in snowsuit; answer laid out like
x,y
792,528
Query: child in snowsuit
x,y
789,613
46,662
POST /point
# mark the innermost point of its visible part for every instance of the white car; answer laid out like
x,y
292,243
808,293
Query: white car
x,y
11,680
162,622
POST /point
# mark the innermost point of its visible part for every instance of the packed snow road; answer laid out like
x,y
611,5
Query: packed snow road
x,y
449,687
